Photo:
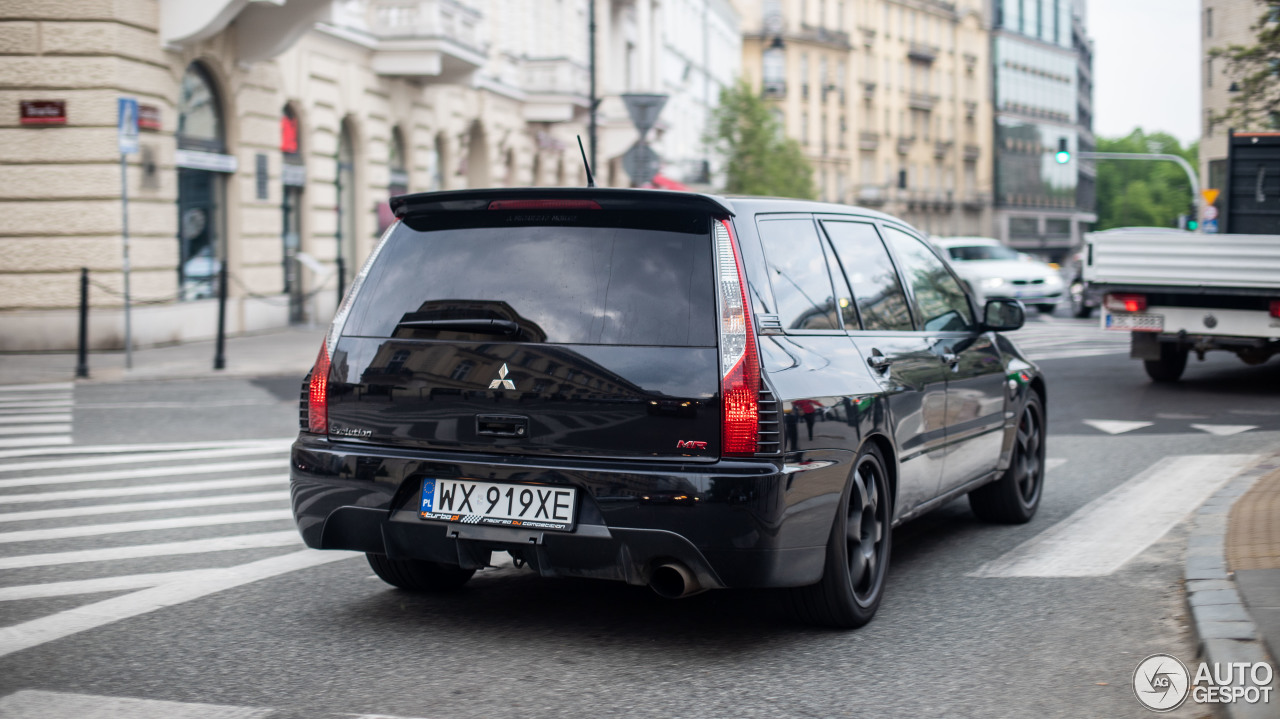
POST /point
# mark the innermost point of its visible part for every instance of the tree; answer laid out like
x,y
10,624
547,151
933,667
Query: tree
x,y
1255,73
759,158
1143,194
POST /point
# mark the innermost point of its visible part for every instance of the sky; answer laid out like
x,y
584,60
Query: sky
x,y
1146,67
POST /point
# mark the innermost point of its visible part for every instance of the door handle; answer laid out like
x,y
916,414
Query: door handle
x,y
879,362
951,358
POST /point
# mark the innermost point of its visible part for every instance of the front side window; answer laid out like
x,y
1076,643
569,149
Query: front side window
x,y
876,290
940,302
798,273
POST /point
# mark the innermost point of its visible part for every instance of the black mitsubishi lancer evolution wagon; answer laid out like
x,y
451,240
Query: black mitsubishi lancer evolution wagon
x,y
667,389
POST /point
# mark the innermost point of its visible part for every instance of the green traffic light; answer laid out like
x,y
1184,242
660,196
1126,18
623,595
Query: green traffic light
x,y
1063,157
1192,225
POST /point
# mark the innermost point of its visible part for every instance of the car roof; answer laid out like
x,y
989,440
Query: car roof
x,y
964,241
764,205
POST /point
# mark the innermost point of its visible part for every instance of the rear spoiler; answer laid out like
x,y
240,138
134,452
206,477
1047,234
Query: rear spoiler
x,y
608,199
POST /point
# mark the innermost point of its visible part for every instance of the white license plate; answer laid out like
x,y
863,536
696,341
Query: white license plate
x,y
1133,322
527,506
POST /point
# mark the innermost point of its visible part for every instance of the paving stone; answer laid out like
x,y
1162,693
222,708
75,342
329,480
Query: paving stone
x,y
1221,596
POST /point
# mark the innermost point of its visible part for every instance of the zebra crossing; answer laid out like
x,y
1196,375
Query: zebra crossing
x,y
35,704
1046,337
36,415
210,515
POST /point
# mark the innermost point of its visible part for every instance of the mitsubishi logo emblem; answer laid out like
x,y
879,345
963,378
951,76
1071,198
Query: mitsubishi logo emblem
x,y
502,382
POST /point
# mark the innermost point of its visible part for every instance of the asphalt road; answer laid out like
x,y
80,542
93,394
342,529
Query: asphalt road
x,y
331,639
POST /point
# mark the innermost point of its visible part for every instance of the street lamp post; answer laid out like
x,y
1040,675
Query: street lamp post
x,y
1196,198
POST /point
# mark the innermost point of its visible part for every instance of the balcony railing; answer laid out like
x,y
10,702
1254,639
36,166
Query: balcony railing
x,y
445,19
774,88
871,194
868,140
972,152
921,52
868,90
905,143
940,148
921,101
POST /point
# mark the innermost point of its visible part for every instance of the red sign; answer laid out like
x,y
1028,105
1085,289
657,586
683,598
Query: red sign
x,y
288,134
42,112
148,117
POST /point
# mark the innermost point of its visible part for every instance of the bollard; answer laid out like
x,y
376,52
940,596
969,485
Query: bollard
x,y
82,359
219,360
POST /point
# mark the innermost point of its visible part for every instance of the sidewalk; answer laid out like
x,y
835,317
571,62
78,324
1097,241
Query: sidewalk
x,y
1233,578
1253,554
289,351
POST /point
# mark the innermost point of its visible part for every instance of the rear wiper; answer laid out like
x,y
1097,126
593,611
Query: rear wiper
x,y
480,326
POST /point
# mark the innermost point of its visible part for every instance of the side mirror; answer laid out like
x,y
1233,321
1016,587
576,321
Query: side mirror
x,y
1003,315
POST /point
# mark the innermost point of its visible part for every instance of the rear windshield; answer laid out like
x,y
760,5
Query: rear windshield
x,y
568,277
965,253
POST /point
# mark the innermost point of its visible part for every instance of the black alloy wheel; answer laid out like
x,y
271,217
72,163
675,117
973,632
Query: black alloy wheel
x,y
852,584
1170,366
418,575
1015,497
1079,307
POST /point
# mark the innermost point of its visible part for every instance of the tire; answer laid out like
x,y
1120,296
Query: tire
x,y
1015,497
1080,309
1046,309
857,560
417,575
1170,366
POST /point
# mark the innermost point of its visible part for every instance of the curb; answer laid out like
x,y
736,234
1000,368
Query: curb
x,y
1224,630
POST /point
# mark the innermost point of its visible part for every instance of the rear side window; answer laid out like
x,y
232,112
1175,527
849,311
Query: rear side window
x,y
798,273
568,277
876,289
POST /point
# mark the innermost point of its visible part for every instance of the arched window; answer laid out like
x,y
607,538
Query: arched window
x,y
293,177
202,162
397,178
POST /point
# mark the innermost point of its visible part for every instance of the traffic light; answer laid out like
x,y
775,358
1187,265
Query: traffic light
x,y
1064,154
1193,218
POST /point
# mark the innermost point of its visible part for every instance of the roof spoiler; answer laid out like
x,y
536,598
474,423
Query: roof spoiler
x,y
608,198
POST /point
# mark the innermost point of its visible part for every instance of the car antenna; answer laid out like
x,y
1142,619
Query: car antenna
x,y
591,181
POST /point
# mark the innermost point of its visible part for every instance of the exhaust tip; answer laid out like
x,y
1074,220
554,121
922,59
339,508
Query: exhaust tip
x,y
673,581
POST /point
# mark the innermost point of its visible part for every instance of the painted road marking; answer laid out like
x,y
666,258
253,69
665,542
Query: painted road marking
x,y
34,418
51,441
143,458
164,447
1224,430
95,586
1116,426
31,704
1101,536
146,525
90,616
100,509
36,387
179,470
37,429
166,549
147,489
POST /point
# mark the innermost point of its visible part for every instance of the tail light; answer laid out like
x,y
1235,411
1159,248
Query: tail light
x,y
1124,302
1275,308
544,205
740,381
318,395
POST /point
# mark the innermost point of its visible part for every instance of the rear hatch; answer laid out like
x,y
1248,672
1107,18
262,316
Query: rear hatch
x,y
540,328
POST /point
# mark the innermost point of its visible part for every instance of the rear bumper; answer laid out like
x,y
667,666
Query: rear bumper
x,y
748,523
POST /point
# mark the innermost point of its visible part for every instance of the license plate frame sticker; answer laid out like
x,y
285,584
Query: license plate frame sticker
x,y
1135,322
501,504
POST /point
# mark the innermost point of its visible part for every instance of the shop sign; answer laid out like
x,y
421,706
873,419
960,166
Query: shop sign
x,y
42,112
148,118
210,161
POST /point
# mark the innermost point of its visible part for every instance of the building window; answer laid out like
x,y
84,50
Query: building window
x,y
1208,22
1208,72
201,192
461,371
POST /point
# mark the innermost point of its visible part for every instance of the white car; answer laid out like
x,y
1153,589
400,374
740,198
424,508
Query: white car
x,y
994,270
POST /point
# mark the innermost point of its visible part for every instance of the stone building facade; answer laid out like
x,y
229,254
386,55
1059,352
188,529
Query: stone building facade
x,y
274,133
1223,23
888,98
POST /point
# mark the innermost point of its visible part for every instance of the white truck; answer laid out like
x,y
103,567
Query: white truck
x,y
1179,292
